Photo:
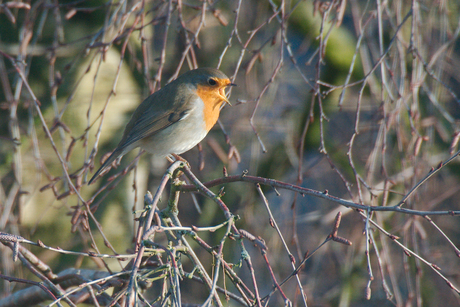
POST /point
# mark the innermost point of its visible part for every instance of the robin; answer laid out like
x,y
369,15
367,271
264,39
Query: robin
x,y
176,118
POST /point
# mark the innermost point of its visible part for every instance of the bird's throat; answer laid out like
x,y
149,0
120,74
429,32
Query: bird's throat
x,y
211,105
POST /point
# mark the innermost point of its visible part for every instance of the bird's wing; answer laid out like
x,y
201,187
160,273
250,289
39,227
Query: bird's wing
x,y
157,106
142,124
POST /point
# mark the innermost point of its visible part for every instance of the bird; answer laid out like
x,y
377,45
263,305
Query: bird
x,y
175,118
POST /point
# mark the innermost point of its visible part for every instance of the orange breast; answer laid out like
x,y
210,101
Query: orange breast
x,y
212,103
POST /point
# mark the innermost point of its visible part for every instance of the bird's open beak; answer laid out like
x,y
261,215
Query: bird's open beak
x,y
222,93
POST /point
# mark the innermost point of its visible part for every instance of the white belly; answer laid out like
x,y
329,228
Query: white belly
x,y
179,137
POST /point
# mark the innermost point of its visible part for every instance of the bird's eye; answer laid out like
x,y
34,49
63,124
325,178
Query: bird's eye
x,y
212,81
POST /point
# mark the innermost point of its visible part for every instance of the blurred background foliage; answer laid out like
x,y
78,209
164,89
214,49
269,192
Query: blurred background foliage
x,y
87,58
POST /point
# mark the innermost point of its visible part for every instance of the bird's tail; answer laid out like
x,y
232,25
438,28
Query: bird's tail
x,y
106,164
